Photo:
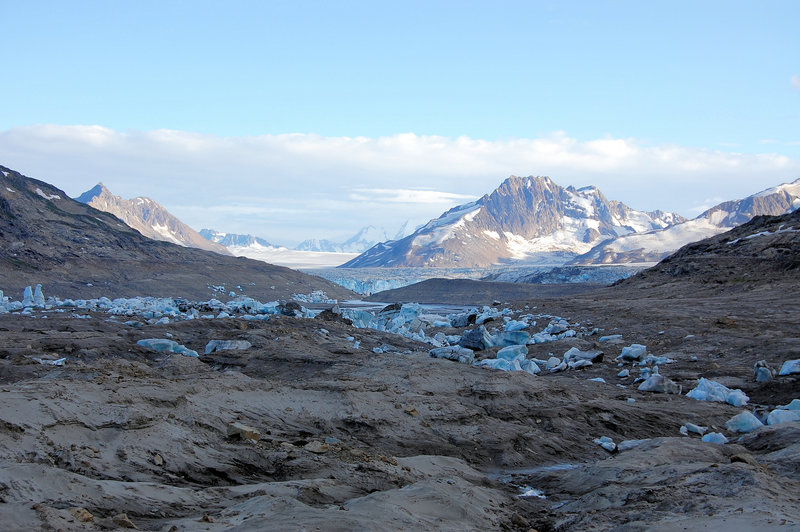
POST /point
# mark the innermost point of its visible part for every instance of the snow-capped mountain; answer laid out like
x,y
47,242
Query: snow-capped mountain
x,y
257,248
526,219
233,240
149,218
655,245
360,242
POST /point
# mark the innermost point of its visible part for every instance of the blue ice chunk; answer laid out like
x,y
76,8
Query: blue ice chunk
x,y
508,338
743,422
598,379
633,352
715,437
630,444
512,352
606,443
624,373
779,416
38,296
610,337
557,326
227,345
27,297
794,405
789,367
707,390
514,325
455,353
167,346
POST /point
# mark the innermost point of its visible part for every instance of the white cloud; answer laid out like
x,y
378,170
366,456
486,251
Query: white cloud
x,y
295,186
796,81
400,195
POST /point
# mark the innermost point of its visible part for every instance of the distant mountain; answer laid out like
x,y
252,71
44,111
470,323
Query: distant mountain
x,y
360,242
233,240
526,219
77,251
257,248
655,245
149,218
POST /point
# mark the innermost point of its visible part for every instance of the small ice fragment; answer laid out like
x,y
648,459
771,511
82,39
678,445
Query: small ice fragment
x,y
598,379
631,400
610,337
715,437
624,373
48,362
606,443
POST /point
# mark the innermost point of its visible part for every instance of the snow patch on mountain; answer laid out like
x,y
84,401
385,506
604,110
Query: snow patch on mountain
x,y
364,239
528,219
652,246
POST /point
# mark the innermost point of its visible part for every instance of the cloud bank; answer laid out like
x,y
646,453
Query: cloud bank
x,y
290,187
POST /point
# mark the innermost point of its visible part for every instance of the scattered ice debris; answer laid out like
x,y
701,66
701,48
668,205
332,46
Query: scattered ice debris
x,y
167,346
631,400
226,345
715,437
557,326
598,379
50,362
633,352
789,367
650,360
779,416
707,390
606,443
624,373
691,427
610,338
317,296
630,444
659,384
527,491
454,352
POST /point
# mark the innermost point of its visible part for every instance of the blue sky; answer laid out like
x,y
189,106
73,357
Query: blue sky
x,y
659,82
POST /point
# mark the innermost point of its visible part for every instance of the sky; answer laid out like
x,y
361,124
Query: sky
x,y
295,120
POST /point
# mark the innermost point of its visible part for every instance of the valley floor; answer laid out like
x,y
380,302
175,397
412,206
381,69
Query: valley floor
x,y
348,439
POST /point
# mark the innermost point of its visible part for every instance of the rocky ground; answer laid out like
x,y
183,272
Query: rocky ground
x,y
310,429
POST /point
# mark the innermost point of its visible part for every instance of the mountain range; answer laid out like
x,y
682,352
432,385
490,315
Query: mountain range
x,y
366,238
149,218
525,219
532,220
655,245
78,251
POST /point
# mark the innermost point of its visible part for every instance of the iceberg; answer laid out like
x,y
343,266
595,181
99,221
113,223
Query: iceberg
x,y
27,297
